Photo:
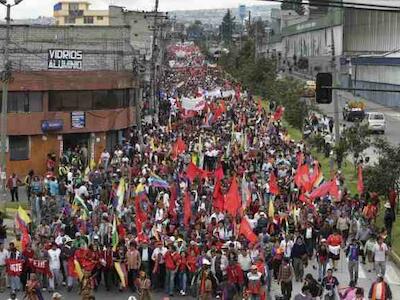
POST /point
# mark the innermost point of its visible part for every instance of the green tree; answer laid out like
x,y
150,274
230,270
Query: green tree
x,y
385,174
357,140
195,31
289,5
227,27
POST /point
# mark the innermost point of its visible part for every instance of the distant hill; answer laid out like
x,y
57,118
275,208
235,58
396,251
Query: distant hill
x,y
215,16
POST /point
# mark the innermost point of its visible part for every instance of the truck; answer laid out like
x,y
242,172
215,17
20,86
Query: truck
x,y
354,111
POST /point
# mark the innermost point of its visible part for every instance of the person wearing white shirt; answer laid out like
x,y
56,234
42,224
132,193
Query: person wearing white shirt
x,y
244,261
3,256
380,251
287,245
54,265
158,258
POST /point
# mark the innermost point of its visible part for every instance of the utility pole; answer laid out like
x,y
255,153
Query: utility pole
x,y
335,92
6,76
154,103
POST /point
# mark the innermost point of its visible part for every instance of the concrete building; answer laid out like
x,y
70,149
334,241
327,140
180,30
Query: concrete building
x,y
78,13
361,46
71,85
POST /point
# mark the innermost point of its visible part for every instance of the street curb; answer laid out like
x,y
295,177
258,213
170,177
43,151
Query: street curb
x,y
395,258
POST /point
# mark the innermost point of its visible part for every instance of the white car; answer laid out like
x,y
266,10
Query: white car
x,y
376,122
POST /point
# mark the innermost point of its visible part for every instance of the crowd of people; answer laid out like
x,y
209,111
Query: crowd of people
x,y
216,201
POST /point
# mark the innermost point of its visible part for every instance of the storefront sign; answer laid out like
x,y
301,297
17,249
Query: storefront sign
x,y
65,59
78,119
52,125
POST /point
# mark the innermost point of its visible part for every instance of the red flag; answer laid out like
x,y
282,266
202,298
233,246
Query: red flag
x,y
360,182
302,178
218,197
279,113
246,230
178,148
328,187
259,105
273,184
219,173
233,200
317,175
187,209
192,171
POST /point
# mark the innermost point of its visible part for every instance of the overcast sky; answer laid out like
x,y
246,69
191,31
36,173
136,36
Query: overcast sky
x,y
35,8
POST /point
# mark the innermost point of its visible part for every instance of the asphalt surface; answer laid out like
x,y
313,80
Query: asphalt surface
x,y
365,279
392,116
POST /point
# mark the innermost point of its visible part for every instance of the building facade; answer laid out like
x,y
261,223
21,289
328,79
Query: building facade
x,y
71,86
78,13
361,46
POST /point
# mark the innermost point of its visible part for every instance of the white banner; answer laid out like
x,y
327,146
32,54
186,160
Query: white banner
x,y
195,104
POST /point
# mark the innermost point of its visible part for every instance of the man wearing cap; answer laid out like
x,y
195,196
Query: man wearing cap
x,y
380,290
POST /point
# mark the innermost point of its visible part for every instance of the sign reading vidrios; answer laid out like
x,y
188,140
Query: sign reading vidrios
x,y
65,59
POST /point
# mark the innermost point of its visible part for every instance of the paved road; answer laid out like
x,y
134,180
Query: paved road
x,y
392,116
365,279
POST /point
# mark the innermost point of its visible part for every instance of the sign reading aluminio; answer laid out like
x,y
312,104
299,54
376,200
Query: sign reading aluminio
x,y
65,59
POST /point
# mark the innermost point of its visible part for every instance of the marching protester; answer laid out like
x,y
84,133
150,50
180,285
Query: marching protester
x,y
211,198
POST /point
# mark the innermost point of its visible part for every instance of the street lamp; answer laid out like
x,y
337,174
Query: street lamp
x,y
5,78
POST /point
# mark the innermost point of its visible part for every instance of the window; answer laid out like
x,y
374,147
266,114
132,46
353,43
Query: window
x,y
70,100
19,147
69,20
73,6
88,100
100,18
88,20
24,102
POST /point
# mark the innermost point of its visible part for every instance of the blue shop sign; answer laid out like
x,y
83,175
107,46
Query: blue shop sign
x,y
52,125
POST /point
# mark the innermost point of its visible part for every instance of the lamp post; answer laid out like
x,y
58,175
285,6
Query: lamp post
x,y
5,78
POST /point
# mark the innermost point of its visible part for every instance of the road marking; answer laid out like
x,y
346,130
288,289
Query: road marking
x,y
391,275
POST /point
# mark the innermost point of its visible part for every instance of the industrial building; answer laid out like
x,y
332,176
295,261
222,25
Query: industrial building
x,y
362,46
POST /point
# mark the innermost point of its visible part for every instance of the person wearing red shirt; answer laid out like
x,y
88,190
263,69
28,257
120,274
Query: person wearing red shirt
x,y
334,242
172,262
235,275
183,270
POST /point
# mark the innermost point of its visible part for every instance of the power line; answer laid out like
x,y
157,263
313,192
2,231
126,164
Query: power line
x,y
337,4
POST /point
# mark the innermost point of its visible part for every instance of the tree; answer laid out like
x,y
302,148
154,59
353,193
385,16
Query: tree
x,y
357,140
385,174
227,27
297,7
195,31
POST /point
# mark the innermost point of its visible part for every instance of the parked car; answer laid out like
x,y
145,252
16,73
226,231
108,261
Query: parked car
x,y
376,122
